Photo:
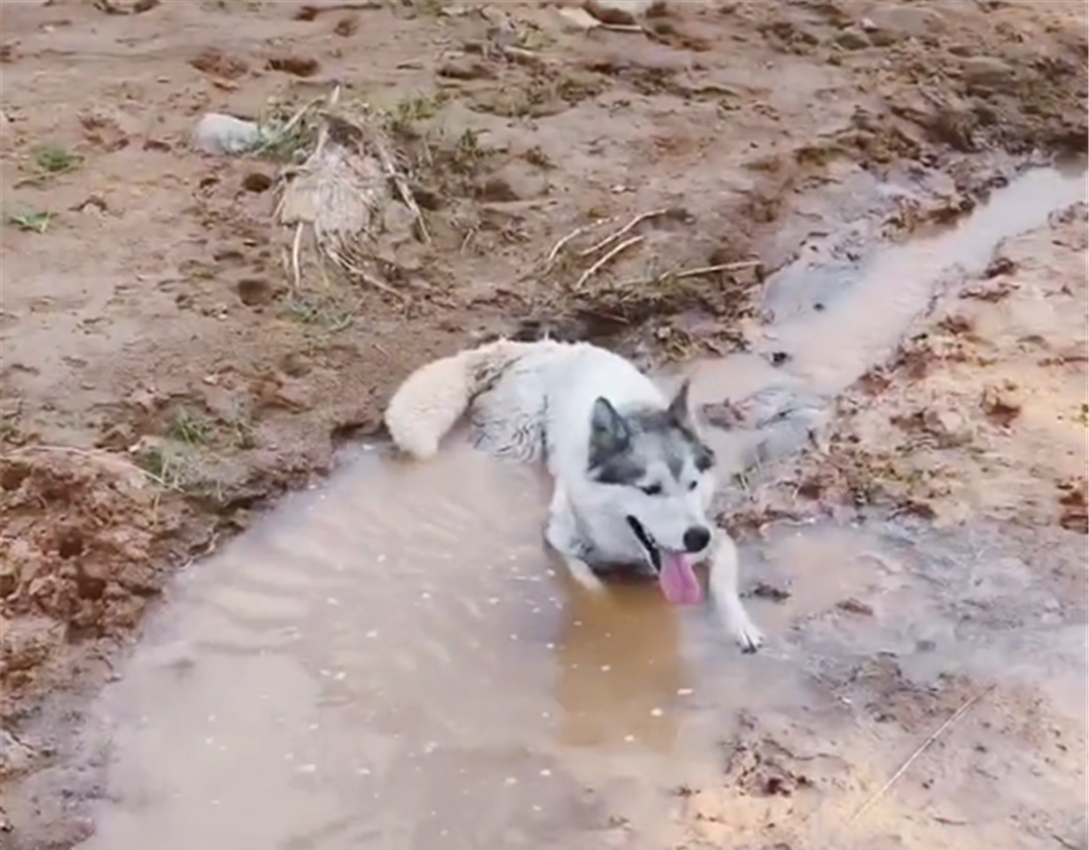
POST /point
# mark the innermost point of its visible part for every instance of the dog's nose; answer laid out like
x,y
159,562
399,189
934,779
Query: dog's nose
x,y
696,538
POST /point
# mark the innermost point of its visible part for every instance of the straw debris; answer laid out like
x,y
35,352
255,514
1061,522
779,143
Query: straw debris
x,y
339,200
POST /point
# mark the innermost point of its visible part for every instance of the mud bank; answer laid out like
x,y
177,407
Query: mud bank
x,y
162,381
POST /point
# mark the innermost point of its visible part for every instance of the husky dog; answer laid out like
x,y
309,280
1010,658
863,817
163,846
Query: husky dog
x,y
633,480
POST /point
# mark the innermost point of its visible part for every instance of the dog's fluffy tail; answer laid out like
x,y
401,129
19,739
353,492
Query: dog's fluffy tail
x,y
432,399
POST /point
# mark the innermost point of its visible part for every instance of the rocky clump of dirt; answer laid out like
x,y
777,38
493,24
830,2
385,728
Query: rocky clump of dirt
x,y
86,547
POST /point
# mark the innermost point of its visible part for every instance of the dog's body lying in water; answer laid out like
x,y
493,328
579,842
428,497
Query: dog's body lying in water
x,y
633,479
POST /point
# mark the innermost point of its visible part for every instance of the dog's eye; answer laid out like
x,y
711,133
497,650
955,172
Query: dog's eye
x,y
652,489
693,485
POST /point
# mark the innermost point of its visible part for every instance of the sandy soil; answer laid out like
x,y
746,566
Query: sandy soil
x,y
162,380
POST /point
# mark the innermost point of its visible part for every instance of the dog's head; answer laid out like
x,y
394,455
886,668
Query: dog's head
x,y
651,468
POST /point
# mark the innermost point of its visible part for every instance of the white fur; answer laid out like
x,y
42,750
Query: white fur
x,y
530,401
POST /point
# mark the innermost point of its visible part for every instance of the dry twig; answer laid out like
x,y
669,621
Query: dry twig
x,y
309,13
697,272
296,267
578,231
590,272
621,27
635,222
941,730
297,118
721,267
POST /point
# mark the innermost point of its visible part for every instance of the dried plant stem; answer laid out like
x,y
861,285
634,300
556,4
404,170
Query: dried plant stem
x,y
296,265
562,243
590,272
923,747
627,228
696,272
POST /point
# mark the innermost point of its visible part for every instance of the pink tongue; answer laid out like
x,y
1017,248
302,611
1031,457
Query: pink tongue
x,y
678,580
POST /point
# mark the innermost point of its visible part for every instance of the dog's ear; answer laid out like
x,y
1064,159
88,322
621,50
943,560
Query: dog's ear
x,y
679,410
610,434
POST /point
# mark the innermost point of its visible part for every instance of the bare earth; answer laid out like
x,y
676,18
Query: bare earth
x,y
983,411
163,379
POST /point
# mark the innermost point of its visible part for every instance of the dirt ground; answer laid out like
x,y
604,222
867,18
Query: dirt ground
x,y
983,411
163,378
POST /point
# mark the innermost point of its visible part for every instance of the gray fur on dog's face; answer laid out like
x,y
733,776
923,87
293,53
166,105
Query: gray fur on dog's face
x,y
632,448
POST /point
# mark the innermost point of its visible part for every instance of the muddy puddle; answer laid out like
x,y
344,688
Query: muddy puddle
x,y
392,661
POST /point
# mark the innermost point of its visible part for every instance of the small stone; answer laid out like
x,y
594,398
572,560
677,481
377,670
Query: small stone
x,y
987,71
577,20
852,39
944,423
219,134
464,68
884,38
457,11
623,12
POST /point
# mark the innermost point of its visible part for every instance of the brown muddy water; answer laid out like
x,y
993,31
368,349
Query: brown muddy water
x,y
392,661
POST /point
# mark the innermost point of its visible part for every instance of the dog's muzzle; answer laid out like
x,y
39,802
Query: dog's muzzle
x,y
647,542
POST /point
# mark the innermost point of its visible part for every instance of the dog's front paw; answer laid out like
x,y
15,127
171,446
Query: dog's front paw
x,y
589,581
585,577
748,635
